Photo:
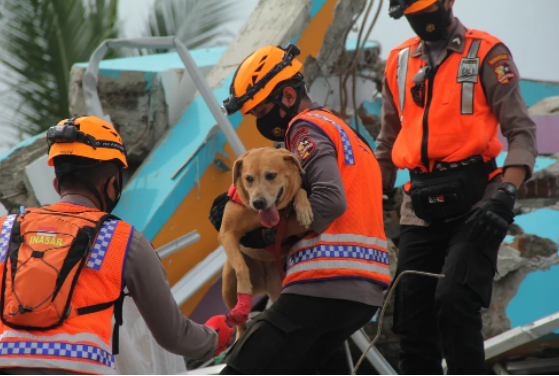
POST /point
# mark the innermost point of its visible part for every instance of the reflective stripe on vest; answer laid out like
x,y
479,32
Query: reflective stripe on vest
x,y
403,58
70,365
81,352
340,251
338,264
78,338
348,150
5,235
339,238
101,246
468,75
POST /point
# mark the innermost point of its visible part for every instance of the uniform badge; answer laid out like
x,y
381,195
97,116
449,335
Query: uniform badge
x,y
469,70
504,74
495,59
305,147
301,131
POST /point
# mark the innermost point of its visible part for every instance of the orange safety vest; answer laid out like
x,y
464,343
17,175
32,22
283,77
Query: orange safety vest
x,y
457,122
354,245
83,342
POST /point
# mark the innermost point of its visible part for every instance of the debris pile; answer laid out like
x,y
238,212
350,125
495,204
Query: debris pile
x,y
136,104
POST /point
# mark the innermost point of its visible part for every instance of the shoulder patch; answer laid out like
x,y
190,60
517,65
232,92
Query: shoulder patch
x,y
301,131
305,147
504,74
495,59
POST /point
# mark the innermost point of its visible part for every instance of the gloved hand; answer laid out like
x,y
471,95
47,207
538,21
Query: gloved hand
x,y
224,332
216,212
491,222
388,200
259,238
239,314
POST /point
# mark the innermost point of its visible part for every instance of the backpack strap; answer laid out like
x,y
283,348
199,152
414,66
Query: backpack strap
x,y
118,304
106,228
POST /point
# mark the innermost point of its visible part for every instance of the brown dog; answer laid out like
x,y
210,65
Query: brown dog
x,y
267,180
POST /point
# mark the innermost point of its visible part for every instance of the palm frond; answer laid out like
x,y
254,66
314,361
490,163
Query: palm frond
x,y
197,23
40,40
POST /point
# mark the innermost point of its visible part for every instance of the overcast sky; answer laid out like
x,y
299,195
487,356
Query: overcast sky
x,y
529,28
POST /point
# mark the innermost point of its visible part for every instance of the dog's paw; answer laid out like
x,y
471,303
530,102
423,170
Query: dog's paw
x,y
305,215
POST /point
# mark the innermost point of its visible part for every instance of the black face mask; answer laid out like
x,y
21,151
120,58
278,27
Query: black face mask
x,y
111,204
272,125
431,27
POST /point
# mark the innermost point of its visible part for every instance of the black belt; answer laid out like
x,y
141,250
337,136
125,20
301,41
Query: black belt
x,y
490,166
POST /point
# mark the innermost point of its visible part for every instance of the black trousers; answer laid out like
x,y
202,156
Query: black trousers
x,y
296,335
441,317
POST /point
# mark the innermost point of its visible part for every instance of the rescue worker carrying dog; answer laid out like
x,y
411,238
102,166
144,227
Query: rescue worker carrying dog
x,y
65,267
337,271
445,93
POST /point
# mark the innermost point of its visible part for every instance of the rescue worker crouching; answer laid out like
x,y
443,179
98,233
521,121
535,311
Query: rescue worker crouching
x,y
336,273
445,93
65,267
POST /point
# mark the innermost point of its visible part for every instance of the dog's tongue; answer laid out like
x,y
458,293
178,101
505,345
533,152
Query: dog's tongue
x,y
269,217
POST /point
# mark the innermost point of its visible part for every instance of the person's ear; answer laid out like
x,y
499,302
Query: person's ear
x,y
111,190
289,97
55,185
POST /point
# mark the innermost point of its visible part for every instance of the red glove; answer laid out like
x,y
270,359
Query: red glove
x,y
224,332
239,314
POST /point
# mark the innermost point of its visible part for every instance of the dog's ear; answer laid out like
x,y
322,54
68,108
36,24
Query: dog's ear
x,y
237,172
238,166
293,159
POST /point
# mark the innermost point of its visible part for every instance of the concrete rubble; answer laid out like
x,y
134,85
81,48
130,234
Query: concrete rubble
x,y
15,188
136,104
548,106
542,190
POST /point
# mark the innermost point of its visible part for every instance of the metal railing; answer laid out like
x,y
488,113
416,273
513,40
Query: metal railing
x,y
93,104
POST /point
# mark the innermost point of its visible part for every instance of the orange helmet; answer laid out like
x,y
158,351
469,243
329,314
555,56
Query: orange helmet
x,y
86,136
257,76
398,8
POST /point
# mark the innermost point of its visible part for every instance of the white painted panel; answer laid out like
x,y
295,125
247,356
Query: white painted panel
x,y
41,175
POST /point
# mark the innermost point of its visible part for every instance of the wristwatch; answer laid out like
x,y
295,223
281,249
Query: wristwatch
x,y
509,188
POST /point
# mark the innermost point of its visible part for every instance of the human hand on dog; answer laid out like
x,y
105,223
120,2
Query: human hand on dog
x,y
259,238
224,332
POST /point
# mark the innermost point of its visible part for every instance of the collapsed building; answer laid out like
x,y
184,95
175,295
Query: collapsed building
x,y
180,159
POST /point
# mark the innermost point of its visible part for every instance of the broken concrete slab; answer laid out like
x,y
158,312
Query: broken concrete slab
x,y
540,191
15,188
333,43
285,19
546,107
135,102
